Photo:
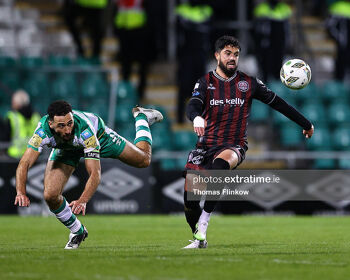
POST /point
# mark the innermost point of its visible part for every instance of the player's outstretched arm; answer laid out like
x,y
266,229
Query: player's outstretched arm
x,y
293,114
28,159
93,168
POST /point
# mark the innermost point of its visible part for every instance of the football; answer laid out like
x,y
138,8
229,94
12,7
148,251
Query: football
x,y
295,74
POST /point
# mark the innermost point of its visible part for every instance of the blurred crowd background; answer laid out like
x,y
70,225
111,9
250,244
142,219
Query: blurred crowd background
x,y
105,56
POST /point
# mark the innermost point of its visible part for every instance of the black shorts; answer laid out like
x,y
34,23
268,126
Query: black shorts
x,y
202,158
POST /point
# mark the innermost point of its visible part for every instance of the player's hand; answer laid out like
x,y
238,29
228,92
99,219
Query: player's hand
x,y
199,125
308,133
22,200
78,207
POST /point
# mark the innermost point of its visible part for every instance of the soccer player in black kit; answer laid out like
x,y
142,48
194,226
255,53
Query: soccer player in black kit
x,y
219,109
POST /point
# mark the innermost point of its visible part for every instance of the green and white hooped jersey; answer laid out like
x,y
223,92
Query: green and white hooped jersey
x,y
88,129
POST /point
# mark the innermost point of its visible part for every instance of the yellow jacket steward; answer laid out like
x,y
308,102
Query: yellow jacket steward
x,y
130,15
280,12
97,4
21,131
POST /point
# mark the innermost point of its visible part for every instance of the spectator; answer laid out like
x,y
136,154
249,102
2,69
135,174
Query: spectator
x,y
131,28
193,27
338,25
19,124
271,28
92,16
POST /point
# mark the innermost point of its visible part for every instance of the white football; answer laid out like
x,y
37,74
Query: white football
x,y
295,74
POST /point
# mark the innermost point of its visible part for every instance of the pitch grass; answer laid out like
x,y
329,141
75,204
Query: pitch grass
x,y
149,247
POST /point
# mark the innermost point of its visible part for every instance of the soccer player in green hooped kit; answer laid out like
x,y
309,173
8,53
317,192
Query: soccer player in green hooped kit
x,y
74,134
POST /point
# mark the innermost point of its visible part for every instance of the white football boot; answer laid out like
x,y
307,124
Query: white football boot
x,y
152,115
75,240
196,244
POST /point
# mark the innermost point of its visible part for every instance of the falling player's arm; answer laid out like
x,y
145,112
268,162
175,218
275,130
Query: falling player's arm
x,y
30,156
93,167
270,98
28,159
194,108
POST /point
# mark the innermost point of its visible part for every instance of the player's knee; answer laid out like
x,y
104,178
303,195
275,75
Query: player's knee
x,y
51,197
220,164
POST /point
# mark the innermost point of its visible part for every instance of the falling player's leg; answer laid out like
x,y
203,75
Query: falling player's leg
x,y
56,176
139,154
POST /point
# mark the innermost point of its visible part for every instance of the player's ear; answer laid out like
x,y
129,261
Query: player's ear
x,y
50,124
217,56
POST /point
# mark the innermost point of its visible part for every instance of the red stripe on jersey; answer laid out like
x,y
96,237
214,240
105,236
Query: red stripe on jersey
x,y
212,113
235,117
245,110
191,166
225,114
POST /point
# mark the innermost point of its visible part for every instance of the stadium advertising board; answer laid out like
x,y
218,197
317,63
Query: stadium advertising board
x,y
122,189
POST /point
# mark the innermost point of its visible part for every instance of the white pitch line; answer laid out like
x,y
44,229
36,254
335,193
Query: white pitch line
x,y
307,262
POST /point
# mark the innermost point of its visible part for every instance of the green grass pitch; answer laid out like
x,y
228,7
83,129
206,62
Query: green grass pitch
x,y
149,247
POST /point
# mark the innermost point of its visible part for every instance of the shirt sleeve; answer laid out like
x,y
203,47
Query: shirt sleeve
x,y
91,144
263,93
199,90
38,140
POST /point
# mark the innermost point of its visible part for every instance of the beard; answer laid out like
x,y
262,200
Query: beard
x,y
64,137
228,72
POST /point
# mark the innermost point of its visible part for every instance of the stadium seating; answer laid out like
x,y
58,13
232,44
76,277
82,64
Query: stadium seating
x,y
93,86
184,140
344,163
126,93
100,107
335,90
341,138
11,79
259,112
56,60
4,108
31,62
338,113
37,86
290,135
7,61
86,62
65,87
310,93
123,113
282,91
314,111
324,163
162,138
9,82
181,162
168,164
321,139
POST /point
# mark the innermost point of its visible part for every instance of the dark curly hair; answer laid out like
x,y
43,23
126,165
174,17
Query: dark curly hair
x,y
59,108
226,40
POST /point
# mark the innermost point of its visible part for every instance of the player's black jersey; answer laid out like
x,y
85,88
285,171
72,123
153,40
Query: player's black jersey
x,y
226,106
